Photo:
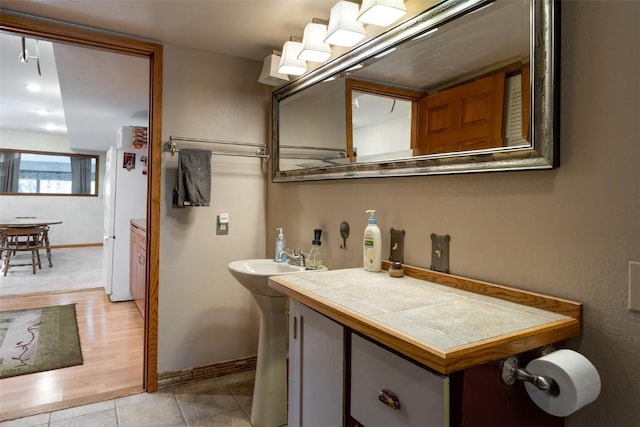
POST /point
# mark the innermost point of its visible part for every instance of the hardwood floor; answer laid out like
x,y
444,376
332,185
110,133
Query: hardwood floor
x,y
111,338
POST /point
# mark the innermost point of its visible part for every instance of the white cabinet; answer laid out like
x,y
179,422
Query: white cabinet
x,y
316,369
336,376
419,396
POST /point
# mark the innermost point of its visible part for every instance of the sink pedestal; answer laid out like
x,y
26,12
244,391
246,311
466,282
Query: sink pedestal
x,y
269,407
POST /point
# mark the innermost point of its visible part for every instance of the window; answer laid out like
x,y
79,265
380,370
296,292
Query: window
x,y
45,173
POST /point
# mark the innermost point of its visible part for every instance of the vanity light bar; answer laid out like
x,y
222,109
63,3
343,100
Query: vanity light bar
x,y
345,28
381,12
315,48
290,62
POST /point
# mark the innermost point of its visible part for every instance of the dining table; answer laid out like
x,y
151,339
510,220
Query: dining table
x,y
27,222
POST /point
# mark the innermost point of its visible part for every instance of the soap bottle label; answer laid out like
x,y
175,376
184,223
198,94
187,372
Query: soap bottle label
x,y
370,253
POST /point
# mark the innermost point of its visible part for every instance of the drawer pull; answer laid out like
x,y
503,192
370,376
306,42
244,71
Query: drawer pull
x,y
389,398
295,327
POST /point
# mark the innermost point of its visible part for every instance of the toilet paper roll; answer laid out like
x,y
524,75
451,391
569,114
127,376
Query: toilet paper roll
x,y
577,379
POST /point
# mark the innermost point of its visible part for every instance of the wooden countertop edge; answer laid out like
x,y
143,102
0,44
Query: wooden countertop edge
x,y
508,345
444,362
531,299
138,224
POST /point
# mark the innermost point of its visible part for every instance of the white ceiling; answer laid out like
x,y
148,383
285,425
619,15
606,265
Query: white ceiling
x,y
86,93
243,28
95,98
19,106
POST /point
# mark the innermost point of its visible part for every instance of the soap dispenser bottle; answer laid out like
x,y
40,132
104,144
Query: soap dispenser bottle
x,y
372,254
280,254
315,259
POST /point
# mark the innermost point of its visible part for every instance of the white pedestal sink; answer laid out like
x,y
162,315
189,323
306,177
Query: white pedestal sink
x,y
269,407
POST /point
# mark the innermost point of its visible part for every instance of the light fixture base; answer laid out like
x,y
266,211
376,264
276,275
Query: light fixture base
x,y
269,74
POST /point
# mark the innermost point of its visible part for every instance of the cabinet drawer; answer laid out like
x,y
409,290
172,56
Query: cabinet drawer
x,y
422,395
138,236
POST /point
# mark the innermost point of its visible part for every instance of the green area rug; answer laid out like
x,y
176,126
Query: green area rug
x,y
38,339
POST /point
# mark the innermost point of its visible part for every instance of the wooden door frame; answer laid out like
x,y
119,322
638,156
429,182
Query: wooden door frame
x,y
90,38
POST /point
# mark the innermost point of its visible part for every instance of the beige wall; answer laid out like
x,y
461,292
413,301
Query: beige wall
x,y
205,315
569,232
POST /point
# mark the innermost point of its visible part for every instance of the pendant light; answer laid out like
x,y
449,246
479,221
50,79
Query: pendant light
x,y
314,47
344,29
269,74
381,12
289,63
24,56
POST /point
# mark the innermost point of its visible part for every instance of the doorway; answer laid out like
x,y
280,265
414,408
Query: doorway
x,y
84,37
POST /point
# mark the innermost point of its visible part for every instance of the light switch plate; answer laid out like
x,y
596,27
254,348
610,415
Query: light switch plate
x,y
440,253
397,245
222,224
634,285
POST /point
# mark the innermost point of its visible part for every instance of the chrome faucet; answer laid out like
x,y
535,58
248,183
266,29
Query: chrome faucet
x,y
295,257
280,255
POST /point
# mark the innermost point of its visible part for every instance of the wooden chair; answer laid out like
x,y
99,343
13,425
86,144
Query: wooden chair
x,y
21,239
45,241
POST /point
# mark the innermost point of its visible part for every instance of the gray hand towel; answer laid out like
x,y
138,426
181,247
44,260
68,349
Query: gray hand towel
x,y
194,177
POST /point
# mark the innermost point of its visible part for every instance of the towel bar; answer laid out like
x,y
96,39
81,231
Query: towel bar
x,y
260,148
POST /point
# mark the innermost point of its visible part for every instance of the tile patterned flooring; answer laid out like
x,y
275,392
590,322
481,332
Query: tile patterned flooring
x,y
217,402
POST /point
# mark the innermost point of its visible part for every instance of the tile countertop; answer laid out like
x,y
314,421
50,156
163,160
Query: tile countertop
x,y
446,322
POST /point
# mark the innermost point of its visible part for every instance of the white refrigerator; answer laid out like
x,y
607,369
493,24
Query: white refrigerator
x,y
125,198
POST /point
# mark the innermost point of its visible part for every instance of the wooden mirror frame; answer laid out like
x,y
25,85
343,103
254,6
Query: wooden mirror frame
x,y
545,77
48,29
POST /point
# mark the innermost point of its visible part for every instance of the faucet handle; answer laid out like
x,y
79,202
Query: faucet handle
x,y
296,256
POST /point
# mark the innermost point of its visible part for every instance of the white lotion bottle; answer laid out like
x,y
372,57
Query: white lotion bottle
x,y
372,254
279,256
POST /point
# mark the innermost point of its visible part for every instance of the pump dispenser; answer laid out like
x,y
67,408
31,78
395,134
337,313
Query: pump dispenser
x,y
372,254
315,259
280,255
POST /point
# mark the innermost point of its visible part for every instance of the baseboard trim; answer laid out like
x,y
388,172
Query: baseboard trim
x,y
77,245
171,378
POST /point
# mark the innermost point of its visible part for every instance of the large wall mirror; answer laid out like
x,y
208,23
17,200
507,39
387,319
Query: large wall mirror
x,y
32,173
465,86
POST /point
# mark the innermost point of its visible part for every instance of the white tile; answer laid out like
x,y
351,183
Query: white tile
x,y
205,403
32,421
149,410
95,419
235,418
83,410
217,402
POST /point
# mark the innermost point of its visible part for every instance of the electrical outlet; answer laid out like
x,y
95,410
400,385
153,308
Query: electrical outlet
x,y
440,253
634,285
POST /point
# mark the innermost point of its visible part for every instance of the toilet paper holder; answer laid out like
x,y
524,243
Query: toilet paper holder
x,y
512,372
